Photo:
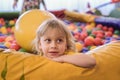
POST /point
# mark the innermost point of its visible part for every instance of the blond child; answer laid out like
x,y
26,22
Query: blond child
x,y
54,41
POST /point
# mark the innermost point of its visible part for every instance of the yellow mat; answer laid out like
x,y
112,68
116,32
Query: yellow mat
x,y
23,66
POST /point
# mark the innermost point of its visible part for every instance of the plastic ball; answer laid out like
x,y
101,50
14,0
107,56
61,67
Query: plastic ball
x,y
117,32
22,50
85,49
3,30
26,26
14,46
98,41
9,38
79,46
89,41
7,44
11,22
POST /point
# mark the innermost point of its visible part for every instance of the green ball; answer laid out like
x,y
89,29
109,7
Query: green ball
x,y
93,35
89,32
117,32
22,50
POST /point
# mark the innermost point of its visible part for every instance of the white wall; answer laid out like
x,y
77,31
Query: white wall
x,y
6,5
80,5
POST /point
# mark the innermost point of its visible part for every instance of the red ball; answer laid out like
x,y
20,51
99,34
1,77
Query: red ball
x,y
100,35
2,38
14,46
108,34
105,28
99,26
98,41
83,35
94,32
89,41
110,29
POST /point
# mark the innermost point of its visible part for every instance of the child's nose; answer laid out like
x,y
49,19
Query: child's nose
x,y
53,45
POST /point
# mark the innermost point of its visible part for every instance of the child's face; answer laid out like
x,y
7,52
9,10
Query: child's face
x,y
53,43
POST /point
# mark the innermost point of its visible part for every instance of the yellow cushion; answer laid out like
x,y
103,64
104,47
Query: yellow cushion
x,y
82,17
19,66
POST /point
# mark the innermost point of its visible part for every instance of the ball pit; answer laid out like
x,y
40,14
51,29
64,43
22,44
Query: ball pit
x,y
93,36
97,34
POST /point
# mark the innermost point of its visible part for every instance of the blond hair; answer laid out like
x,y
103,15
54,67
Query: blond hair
x,y
58,24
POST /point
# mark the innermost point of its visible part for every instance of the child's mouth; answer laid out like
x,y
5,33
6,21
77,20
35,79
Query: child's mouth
x,y
53,53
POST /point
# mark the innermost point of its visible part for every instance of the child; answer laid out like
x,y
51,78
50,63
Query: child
x,y
55,41
30,4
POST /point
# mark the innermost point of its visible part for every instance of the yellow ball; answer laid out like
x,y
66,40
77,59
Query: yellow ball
x,y
79,46
3,30
7,44
11,22
26,26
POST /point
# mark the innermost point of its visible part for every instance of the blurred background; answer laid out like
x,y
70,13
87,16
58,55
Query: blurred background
x,y
79,5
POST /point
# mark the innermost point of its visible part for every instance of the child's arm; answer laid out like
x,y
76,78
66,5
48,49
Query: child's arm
x,y
82,60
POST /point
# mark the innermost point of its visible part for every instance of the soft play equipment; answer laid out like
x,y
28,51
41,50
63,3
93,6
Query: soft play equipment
x,y
108,21
81,17
87,18
24,66
26,26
